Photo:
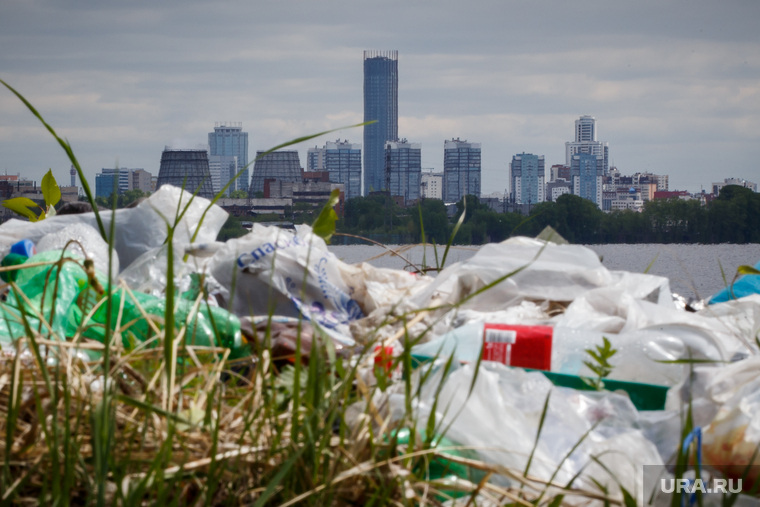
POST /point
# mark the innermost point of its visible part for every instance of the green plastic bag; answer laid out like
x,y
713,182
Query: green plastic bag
x,y
63,296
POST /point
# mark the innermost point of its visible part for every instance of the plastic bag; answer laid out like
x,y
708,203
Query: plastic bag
x,y
56,302
725,401
207,326
548,272
137,229
274,270
745,286
88,245
499,416
46,293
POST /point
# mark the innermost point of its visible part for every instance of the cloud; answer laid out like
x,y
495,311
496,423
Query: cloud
x,y
674,85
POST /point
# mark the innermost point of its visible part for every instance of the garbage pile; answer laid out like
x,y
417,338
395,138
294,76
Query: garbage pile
x,y
561,367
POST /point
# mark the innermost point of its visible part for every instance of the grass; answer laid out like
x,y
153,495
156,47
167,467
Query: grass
x,y
158,420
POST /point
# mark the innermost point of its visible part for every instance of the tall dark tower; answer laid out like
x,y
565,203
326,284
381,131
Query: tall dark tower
x,y
73,173
381,104
186,169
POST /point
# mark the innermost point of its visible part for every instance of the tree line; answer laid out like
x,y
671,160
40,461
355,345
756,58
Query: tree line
x,y
732,217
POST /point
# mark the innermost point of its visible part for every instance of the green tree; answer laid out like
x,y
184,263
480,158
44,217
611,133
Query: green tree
x,y
434,219
129,197
734,216
232,228
238,194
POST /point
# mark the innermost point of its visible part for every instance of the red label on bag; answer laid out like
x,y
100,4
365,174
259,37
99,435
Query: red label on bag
x,y
523,346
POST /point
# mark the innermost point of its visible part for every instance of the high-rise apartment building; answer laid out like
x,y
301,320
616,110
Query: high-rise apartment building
x,y
186,169
461,170
588,173
228,139
343,161
527,176
403,162
223,168
381,106
284,166
586,142
431,184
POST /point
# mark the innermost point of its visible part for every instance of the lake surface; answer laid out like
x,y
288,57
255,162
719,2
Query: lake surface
x,y
694,270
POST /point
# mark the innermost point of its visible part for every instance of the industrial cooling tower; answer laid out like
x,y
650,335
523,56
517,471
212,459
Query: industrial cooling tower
x,y
278,165
186,169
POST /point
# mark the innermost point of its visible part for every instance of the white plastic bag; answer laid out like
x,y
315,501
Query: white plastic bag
x,y
137,229
271,269
500,415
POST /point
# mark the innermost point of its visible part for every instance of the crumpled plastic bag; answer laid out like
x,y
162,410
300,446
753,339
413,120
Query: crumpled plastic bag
x,y
57,302
548,272
89,244
634,311
137,229
47,294
274,270
500,420
725,402
745,286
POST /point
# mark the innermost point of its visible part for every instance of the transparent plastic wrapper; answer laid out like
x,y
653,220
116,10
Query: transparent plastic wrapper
x,y
380,289
499,413
87,238
137,229
274,270
521,270
546,271
725,401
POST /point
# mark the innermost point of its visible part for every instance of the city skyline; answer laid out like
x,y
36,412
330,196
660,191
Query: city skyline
x,y
674,85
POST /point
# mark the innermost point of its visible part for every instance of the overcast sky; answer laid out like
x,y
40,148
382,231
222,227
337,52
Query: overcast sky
x,y
674,84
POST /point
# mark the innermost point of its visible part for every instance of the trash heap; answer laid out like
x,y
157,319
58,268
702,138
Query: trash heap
x,y
534,355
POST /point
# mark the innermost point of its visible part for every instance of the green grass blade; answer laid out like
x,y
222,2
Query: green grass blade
x,y
454,232
538,433
651,263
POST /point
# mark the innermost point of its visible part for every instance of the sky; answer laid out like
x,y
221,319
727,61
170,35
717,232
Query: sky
x,y
673,84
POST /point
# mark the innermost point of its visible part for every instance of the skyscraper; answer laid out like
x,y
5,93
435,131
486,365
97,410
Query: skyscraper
x,y
587,172
228,139
380,105
585,142
223,168
527,177
343,161
403,161
461,170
